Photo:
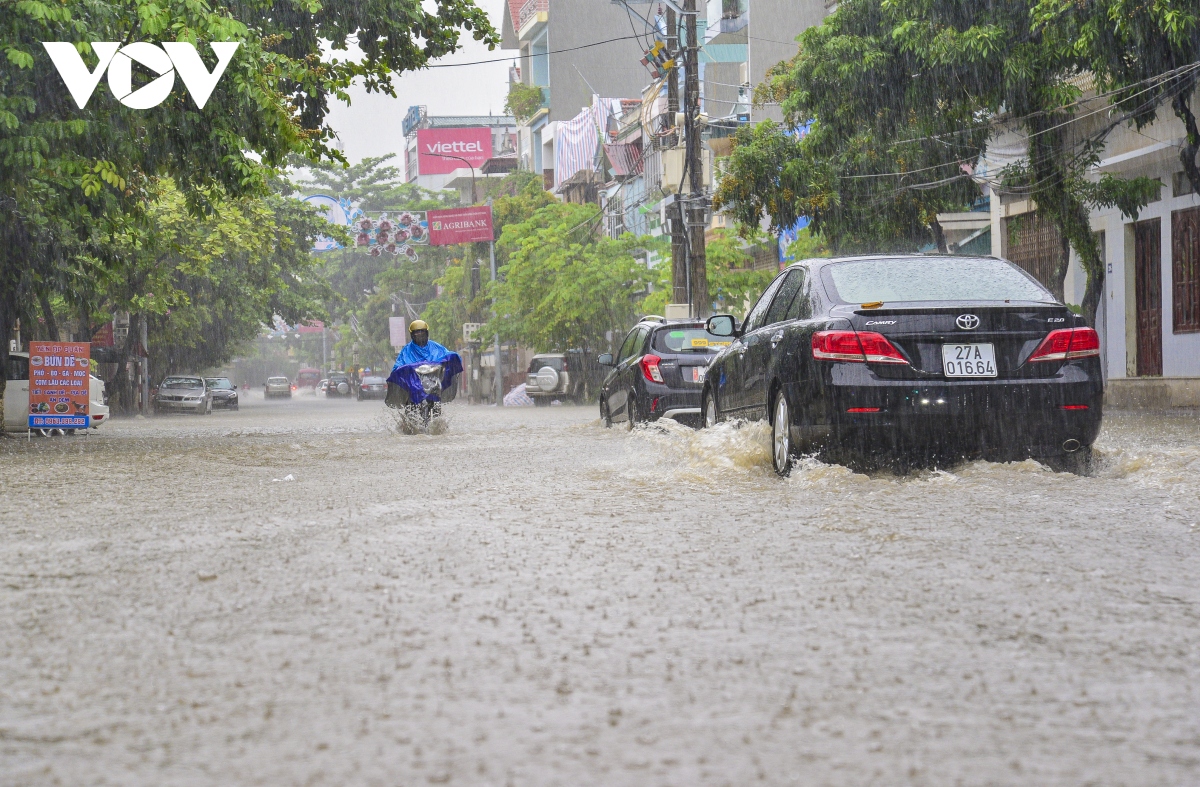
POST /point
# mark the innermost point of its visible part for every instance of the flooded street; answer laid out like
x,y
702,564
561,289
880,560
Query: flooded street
x,y
296,594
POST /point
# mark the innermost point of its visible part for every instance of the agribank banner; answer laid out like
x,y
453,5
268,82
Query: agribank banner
x,y
472,144
460,225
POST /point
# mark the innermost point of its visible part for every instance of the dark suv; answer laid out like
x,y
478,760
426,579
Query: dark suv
x,y
658,372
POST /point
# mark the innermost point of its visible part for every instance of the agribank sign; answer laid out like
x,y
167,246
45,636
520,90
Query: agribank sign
x,y
165,59
436,145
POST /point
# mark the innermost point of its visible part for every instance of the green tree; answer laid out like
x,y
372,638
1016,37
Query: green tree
x,y
1143,52
70,177
732,281
562,287
902,97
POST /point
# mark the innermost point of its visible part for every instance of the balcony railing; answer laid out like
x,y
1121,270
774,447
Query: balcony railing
x,y
531,8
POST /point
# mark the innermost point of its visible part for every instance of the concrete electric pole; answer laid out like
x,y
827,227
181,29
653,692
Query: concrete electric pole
x,y
694,206
679,266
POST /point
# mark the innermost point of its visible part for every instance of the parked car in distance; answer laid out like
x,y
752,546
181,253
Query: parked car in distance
x,y
308,378
558,375
372,388
277,386
16,395
658,372
224,393
911,355
339,385
183,394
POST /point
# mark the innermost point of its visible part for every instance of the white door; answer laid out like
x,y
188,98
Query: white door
x,y
16,393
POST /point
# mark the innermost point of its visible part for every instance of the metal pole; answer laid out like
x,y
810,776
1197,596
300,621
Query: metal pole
x,y
499,378
145,368
679,266
693,210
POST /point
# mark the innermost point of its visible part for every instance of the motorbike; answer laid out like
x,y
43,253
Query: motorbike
x,y
434,384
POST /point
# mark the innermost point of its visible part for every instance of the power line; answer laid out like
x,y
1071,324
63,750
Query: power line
x,y
509,58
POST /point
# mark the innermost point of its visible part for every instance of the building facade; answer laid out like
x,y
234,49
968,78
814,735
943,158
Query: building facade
x,y
1149,316
448,146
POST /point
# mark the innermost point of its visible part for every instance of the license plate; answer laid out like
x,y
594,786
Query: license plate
x,y
694,373
969,360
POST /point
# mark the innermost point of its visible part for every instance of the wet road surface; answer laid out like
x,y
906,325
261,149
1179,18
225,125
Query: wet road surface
x,y
532,599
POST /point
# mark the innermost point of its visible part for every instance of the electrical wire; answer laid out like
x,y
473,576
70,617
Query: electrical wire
x,y
539,54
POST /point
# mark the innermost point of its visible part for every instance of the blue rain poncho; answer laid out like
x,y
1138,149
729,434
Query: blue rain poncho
x,y
413,355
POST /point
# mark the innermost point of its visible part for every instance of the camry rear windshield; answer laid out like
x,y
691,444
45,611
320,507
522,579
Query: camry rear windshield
x,y
182,382
932,279
688,340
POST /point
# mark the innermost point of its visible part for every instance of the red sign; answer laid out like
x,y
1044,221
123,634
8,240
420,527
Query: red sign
x,y
460,225
59,384
435,146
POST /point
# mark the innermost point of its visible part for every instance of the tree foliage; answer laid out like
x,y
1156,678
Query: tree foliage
x,y
70,178
903,97
733,282
562,287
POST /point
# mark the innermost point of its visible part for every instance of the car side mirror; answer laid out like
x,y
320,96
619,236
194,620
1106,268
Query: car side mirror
x,y
721,325
605,359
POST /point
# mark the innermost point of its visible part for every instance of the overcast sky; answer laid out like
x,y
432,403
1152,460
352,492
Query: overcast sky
x,y
371,124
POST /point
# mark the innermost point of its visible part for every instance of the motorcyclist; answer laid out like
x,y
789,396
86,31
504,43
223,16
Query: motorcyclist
x,y
420,349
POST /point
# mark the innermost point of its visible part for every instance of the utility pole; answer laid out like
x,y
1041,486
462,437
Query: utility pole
x,y
694,209
499,376
679,266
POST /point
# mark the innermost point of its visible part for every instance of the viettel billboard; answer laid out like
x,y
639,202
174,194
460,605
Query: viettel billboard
x,y
435,146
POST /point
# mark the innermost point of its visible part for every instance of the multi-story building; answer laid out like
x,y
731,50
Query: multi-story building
x,y
457,151
557,47
743,40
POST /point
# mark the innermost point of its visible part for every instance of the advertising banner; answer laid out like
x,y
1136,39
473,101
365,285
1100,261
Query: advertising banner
x,y
397,331
460,225
59,385
472,144
393,234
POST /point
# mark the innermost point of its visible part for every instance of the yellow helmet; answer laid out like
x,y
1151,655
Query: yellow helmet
x,y
418,325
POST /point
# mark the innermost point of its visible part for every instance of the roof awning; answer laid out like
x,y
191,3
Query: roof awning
x,y
626,160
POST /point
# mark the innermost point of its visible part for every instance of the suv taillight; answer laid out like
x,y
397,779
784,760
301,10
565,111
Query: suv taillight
x,y
650,368
864,347
565,368
1066,344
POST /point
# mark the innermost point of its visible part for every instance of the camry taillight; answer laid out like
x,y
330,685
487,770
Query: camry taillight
x,y
650,368
1066,344
863,347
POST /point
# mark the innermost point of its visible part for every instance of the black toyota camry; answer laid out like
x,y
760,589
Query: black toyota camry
x,y
910,355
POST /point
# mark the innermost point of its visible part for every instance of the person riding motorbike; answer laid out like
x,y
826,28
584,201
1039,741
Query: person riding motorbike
x,y
423,376
420,349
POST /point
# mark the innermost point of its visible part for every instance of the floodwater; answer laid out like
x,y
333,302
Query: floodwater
x,y
295,594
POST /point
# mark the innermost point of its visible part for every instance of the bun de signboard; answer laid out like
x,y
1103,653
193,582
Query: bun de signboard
x,y
436,146
59,385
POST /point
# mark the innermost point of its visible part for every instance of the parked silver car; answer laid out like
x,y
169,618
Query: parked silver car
x,y
183,395
277,386
372,388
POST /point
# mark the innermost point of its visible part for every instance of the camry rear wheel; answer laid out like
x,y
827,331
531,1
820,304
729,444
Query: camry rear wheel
x,y
781,438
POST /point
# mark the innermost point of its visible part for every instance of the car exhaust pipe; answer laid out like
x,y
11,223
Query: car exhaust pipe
x,y
1071,446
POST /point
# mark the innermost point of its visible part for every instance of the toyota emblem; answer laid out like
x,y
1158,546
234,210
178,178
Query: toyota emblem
x,y
968,322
